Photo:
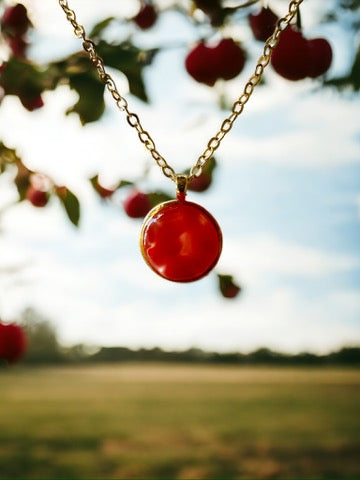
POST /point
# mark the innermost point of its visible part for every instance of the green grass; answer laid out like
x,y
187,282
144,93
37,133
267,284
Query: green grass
x,y
153,421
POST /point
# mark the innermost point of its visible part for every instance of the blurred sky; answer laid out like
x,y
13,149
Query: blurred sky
x,y
286,194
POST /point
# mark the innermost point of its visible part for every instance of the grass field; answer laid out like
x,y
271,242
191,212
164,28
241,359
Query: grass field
x,y
156,421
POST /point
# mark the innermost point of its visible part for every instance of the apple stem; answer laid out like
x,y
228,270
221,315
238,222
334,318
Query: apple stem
x,y
181,196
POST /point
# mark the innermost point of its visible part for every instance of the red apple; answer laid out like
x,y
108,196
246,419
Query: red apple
x,y
263,23
198,64
229,59
137,204
209,64
290,57
2,340
204,180
320,57
36,197
200,183
230,291
146,17
31,102
104,192
296,57
12,342
18,46
15,21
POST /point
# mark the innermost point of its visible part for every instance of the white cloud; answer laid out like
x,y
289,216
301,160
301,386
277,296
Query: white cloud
x,y
298,130
280,320
120,301
50,19
258,256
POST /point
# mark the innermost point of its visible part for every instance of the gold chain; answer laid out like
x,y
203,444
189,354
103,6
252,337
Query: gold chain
x,y
133,119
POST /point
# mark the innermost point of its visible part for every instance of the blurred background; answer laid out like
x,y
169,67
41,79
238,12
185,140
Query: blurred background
x,y
249,372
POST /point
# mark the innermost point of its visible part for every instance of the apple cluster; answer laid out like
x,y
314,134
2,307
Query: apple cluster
x,y
37,188
12,342
207,64
137,203
294,58
15,24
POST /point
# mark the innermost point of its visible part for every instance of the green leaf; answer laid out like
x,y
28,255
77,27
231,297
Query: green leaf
x,y
72,206
94,181
227,286
99,27
137,85
355,72
122,56
21,77
90,89
22,179
210,165
124,183
7,156
158,197
350,81
78,72
125,56
131,61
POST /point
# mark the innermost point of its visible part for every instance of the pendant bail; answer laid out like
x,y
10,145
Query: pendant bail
x,y
182,181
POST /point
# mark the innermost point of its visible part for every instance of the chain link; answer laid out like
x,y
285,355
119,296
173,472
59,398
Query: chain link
x,y
134,121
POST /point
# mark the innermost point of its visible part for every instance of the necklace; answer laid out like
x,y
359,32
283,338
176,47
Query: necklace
x,y
180,240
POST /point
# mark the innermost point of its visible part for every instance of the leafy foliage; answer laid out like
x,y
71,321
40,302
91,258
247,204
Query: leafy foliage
x,y
129,60
7,156
228,286
98,28
23,79
90,105
158,197
350,81
22,179
71,205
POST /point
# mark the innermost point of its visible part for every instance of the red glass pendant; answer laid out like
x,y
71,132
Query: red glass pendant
x,y
180,240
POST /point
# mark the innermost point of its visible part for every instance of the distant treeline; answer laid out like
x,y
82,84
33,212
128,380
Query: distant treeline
x,y
262,356
44,348
347,355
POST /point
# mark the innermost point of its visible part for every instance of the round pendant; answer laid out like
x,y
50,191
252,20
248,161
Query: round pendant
x,y
180,241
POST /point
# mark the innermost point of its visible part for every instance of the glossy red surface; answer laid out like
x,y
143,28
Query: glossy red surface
x,y
181,241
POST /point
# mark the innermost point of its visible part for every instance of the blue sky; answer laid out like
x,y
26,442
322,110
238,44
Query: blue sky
x,y
286,193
